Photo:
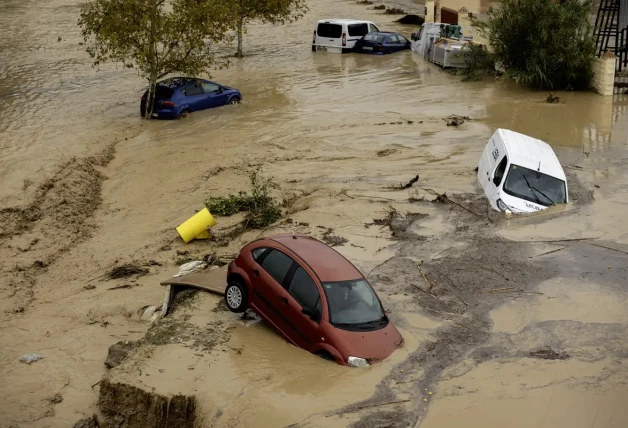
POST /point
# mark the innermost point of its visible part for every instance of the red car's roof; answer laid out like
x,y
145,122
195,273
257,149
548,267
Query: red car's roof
x,y
328,264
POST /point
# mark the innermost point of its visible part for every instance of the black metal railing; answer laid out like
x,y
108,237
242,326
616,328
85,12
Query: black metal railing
x,y
605,28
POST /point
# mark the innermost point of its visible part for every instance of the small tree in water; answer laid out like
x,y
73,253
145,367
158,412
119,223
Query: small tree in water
x,y
273,11
157,37
541,43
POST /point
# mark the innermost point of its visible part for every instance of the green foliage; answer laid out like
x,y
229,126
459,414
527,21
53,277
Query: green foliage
x,y
261,208
156,37
545,44
273,11
479,63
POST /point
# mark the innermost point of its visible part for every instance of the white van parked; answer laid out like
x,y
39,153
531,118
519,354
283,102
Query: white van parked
x,y
520,174
340,35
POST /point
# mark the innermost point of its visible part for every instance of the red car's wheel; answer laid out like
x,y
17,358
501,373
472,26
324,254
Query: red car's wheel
x,y
236,297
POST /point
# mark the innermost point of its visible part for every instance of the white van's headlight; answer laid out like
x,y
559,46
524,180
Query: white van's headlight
x,y
357,362
502,206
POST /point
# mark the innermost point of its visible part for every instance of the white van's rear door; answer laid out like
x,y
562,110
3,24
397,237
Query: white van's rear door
x,y
329,37
356,32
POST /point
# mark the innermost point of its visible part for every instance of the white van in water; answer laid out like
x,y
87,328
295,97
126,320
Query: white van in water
x,y
520,174
340,35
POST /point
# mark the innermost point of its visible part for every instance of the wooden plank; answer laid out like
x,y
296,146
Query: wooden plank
x,y
214,280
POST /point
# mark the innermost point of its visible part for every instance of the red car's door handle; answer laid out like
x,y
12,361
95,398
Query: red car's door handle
x,y
255,272
284,300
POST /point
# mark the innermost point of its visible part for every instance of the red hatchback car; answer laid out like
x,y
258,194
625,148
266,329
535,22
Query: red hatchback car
x,y
314,297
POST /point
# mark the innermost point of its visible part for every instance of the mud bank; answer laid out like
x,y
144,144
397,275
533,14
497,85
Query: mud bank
x,y
126,406
34,236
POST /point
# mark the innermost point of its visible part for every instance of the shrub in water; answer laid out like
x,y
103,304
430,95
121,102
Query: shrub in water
x,y
261,209
545,44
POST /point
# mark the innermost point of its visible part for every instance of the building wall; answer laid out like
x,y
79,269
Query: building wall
x,y
467,29
604,74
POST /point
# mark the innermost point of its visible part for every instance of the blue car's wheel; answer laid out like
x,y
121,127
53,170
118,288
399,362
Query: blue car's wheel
x,y
183,114
234,101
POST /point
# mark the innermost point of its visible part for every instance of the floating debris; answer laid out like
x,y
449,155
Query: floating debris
x,y
549,354
126,270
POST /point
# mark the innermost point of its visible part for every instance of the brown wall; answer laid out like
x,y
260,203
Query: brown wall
x,y
448,16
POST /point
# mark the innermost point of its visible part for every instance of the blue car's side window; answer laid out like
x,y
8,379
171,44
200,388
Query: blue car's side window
x,y
210,87
191,90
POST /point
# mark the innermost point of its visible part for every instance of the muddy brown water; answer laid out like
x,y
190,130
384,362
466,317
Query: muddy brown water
x,y
312,121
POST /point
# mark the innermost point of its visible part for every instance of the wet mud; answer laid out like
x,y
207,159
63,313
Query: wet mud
x,y
35,235
89,189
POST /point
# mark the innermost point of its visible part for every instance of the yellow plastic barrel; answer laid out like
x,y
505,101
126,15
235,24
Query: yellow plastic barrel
x,y
196,225
204,235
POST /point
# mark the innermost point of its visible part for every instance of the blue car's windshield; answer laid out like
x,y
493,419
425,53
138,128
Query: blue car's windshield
x,y
353,303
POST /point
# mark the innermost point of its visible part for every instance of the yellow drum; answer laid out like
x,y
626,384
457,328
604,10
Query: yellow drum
x,y
196,226
204,235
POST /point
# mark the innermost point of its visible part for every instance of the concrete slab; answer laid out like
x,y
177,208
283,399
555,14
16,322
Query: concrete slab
x,y
214,280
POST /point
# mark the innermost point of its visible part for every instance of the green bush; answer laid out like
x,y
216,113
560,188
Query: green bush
x,y
479,63
261,209
542,43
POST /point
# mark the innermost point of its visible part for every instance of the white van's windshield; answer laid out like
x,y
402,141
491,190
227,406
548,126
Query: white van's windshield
x,y
534,186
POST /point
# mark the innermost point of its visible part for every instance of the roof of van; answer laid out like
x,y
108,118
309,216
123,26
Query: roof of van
x,y
344,21
527,152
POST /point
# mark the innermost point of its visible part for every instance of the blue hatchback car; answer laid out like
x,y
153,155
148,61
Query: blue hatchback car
x,y
177,97
380,43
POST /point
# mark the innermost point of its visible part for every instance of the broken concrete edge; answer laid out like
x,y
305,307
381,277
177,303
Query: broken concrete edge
x,y
118,352
121,404
209,280
87,422
167,298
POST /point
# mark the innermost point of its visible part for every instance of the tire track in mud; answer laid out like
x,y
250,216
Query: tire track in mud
x,y
458,289
34,236
458,299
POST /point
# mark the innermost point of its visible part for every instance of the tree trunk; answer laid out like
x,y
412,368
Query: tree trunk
x,y
152,79
240,29
150,99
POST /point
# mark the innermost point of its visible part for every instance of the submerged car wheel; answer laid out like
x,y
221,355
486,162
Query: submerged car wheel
x,y
236,297
325,355
233,101
183,114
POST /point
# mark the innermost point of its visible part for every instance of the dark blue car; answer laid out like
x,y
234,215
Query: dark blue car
x,y
381,43
177,97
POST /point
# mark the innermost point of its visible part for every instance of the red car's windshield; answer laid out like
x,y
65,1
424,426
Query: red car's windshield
x,y
353,303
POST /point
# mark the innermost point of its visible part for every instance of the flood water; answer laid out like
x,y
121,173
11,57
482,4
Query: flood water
x,y
308,118
54,105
